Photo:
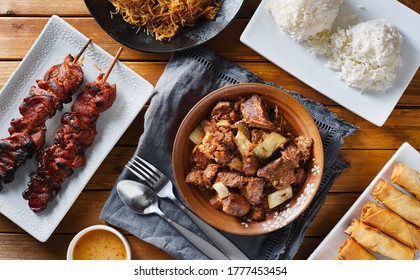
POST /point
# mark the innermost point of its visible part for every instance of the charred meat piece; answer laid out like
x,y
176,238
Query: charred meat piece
x,y
14,150
250,164
299,150
57,88
291,154
280,172
35,108
221,109
196,177
27,133
201,177
254,190
216,201
225,110
256,213
304,144
76,134
44,191
76,131
254,113
216,147
258,135
210,171
62,79
300,176
236,205
199,159
286,170
209,126
228,140
230,179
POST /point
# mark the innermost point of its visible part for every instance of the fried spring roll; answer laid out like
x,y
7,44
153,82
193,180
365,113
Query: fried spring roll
x,y
351,250
408,178
390,223
402,204
377,241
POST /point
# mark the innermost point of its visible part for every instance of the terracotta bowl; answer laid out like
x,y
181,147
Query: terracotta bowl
x,y
301,122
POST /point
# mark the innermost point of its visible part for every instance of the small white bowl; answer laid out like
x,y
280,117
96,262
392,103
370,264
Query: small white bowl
x,y
89,232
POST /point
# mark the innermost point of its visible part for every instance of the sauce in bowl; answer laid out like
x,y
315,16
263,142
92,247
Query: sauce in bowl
x,y
99,243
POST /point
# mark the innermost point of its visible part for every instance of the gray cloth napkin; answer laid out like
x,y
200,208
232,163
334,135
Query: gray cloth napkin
x,y
189,76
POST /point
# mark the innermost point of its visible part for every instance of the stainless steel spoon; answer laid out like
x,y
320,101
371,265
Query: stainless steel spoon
x,y
162,186
142,200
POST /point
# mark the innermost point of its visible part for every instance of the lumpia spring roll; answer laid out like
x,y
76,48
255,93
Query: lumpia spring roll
x,y
402,204
351,250
390,223
408,178
377,241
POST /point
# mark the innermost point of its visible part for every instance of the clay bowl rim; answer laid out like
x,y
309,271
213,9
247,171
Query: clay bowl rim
x,y
182,148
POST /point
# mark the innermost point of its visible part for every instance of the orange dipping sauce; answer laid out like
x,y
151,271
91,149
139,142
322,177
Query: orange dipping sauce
x,y
99,244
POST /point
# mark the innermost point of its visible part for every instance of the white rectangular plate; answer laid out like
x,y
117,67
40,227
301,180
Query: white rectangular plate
x,y
328,248
265,37
58,39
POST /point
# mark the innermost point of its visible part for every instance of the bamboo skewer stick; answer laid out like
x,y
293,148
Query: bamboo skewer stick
x,y
112,64
81,52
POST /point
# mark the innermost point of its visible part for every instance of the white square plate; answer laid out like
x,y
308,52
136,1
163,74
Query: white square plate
x,y
264,36
58,39
328,248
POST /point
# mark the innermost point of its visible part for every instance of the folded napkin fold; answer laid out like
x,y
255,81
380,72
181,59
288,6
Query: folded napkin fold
x,y
189,76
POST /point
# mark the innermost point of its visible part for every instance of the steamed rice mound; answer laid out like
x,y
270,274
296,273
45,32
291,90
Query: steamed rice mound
x,y
302,19
366,55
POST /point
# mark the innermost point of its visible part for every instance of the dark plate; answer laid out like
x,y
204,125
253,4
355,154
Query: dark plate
x,y
188,37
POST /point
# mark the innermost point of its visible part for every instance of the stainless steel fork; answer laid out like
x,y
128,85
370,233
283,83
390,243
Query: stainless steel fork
x,y
163,187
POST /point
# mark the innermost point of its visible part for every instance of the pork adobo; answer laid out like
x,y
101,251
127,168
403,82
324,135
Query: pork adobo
x,y
247,159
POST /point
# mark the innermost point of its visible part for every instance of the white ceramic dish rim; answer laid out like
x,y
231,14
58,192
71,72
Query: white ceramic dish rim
x,y
57,39
81,233
328,248
263,35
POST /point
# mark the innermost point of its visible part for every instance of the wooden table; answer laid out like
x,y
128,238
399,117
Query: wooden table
x,y
367,150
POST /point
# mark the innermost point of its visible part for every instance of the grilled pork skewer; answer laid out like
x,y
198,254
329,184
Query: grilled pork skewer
x,y
27,133
76,134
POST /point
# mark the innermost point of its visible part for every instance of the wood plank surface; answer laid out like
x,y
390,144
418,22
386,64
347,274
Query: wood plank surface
x,y
402,126
82,213
88,206
77,8
151,71
366,151
12,246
